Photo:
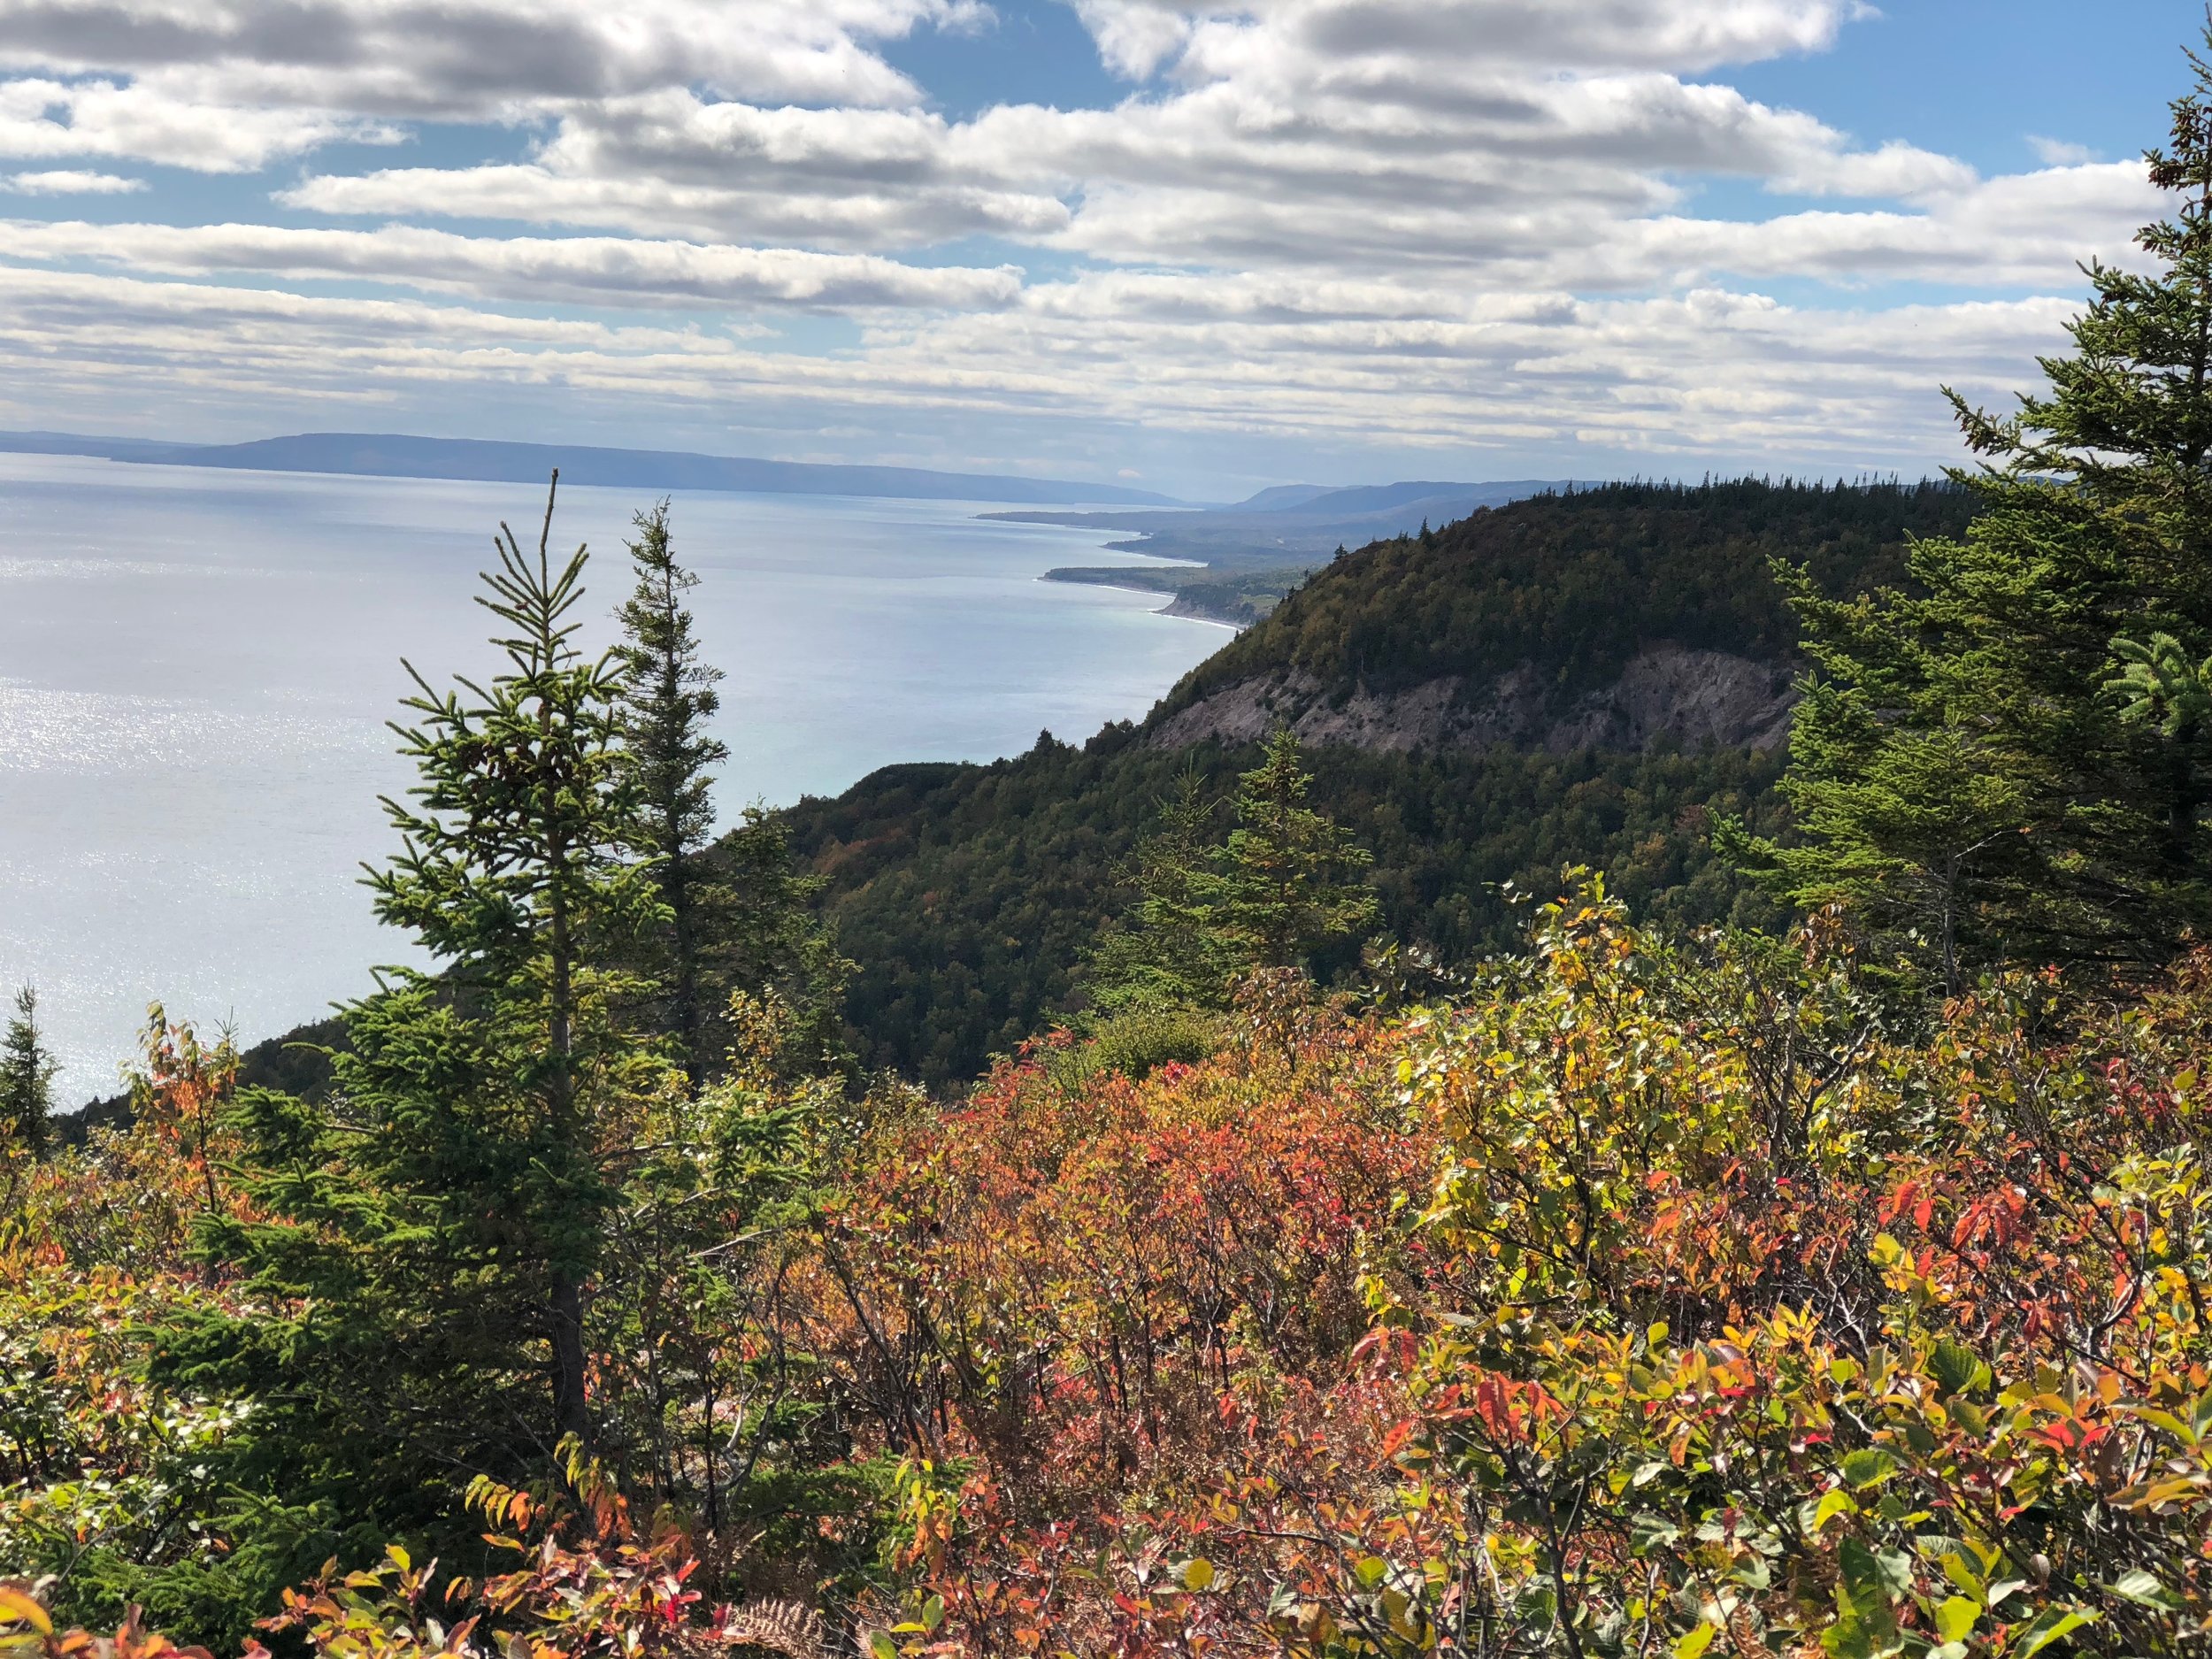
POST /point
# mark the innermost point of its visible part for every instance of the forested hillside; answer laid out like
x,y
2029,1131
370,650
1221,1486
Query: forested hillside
x,y
1576,583
967,895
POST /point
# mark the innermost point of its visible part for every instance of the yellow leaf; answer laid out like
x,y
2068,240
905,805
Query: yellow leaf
x,y
1955,1617
20,1608
1694,1642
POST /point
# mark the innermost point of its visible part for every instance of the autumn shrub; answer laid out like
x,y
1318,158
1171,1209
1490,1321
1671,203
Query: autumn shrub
x,y
1735,1317
1654,1297
1136,1044
1059,1283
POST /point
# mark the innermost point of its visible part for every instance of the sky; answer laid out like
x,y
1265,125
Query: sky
x,y
1197,245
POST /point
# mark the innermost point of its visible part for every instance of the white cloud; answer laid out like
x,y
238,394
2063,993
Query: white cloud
x,y
1141,35
142,122
2057,152
1707,371
671,161
473,58
1430,223
68,183
592,270
1265,169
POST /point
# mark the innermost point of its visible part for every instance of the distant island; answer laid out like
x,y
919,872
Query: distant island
x,y
394,455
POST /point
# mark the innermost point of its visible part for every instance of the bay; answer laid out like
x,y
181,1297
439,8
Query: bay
x,y
196,668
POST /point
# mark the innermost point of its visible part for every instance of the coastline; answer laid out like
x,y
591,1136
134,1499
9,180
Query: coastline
x,y
1177,606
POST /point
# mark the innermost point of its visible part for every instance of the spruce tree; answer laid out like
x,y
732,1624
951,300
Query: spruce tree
x,y
1291,885
1168,949
419,1247
26,1079
1963,776
765,942
668,698
1286,887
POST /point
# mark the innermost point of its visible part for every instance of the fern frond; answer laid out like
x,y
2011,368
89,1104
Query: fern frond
x,y
788,1628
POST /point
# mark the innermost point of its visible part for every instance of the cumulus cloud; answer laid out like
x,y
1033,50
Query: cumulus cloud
x,y
65,183
2057,152
143,122
462,58
1339,169
1140,36
1708,369
671,161
590,269
1423,222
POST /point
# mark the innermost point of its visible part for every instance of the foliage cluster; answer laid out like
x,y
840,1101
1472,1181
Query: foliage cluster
x,y
1285,888
1730,1320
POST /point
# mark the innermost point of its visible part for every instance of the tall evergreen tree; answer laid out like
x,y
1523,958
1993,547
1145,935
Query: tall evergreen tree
x,y
1168,949
420,1247
1960,770
28,1068
1286,886
668,697
767,942
1292,882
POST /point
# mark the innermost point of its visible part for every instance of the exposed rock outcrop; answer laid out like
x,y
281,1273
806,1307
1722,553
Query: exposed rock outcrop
x,y
1696,699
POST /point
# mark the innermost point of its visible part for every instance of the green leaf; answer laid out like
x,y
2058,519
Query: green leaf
x,y
1961,1573
881,1646
1837,1502
2145,1590
2054,1622
1957,1369
1868,1466
932,1613
1868,1579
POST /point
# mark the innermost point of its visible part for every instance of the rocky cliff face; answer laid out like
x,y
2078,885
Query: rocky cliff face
x,y
1697,699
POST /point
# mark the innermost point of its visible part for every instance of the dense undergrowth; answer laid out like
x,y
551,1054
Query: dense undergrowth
x,y
1643,1298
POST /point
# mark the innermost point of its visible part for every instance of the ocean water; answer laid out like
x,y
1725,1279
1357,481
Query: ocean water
x,y
196,668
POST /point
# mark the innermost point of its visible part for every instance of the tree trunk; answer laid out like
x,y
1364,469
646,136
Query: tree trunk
x,y
565,1297
570,1414
689,1024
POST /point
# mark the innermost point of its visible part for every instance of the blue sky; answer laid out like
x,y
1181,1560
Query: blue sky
x,y
1203,245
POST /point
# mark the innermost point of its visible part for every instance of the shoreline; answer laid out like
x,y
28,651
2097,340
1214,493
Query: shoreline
x,y
1174,607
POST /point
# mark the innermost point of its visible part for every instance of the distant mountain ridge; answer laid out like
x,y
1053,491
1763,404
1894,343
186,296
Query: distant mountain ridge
x,y
1239,561
1296,524
399,455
